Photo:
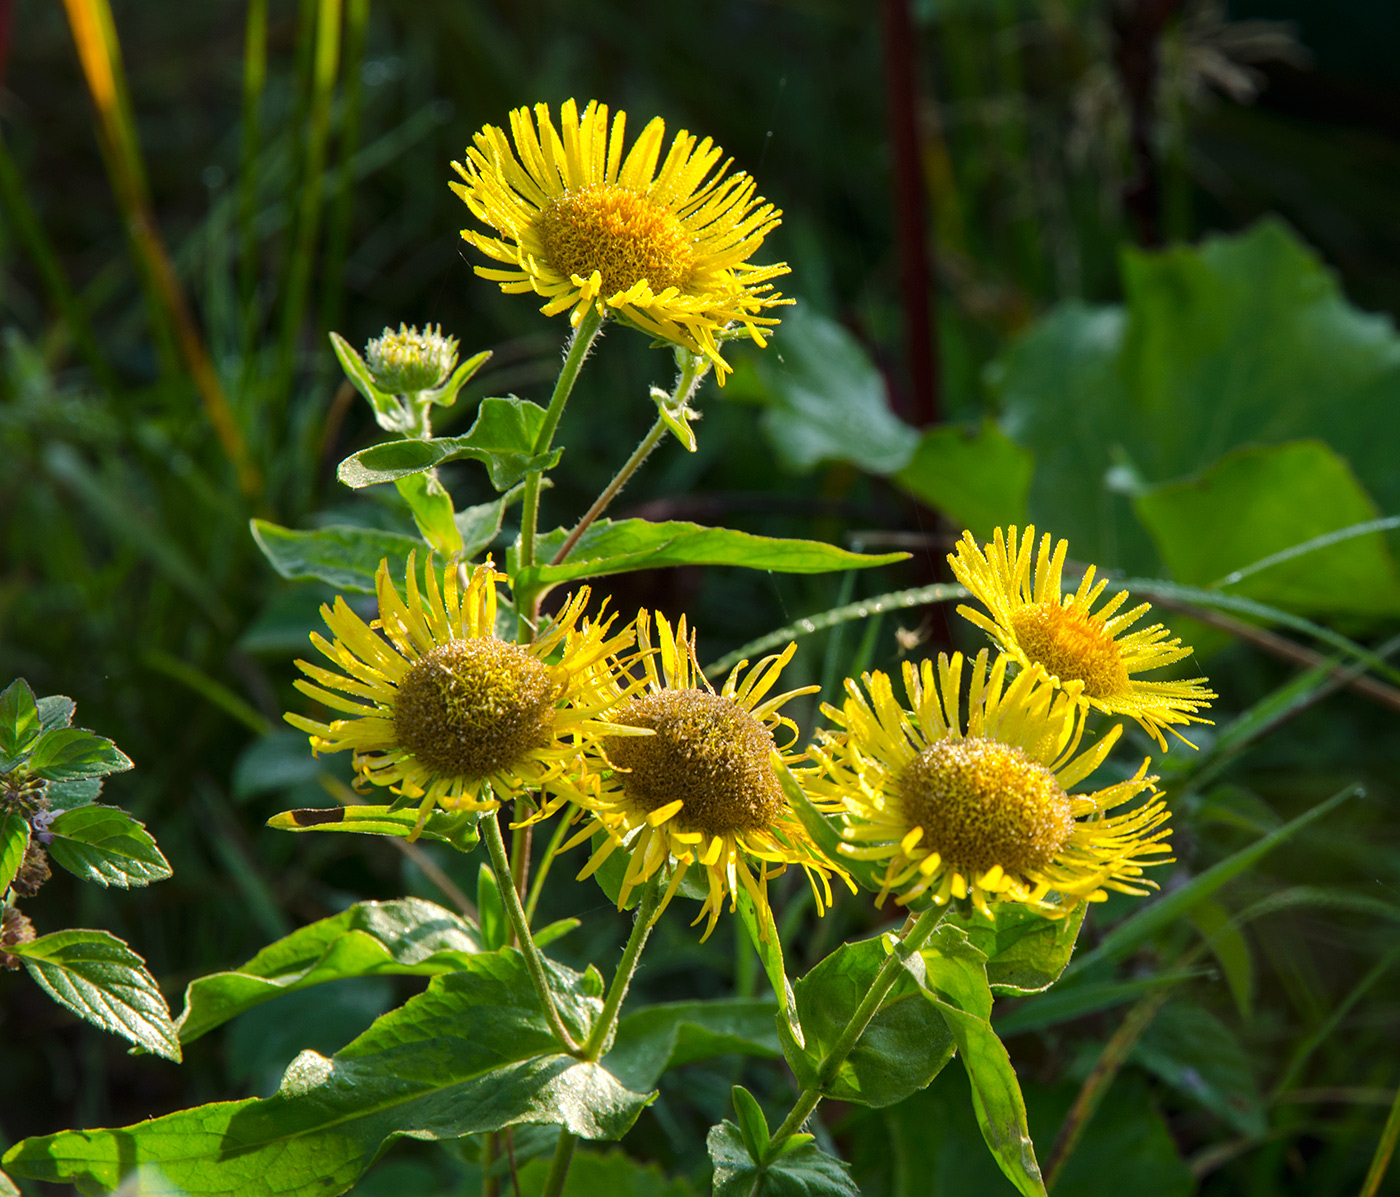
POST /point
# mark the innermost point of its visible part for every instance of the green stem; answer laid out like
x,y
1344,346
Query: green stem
x,y
646,916
693,369
533,960
561,826
559,1165
584,336
913,937
1384,1150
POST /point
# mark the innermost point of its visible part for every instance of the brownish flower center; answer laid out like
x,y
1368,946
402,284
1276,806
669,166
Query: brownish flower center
x,y
620,233
471,707
1072,647
983,803
708,751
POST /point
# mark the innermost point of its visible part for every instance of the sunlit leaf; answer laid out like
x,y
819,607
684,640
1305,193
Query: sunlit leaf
x,y
455,827
14,841
19,718
343,555
106,845
70,753
806,1171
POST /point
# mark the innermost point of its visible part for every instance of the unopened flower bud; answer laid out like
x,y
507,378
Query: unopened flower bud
x,y
408,361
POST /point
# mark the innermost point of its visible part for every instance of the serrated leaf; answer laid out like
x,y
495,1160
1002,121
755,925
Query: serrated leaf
x,y
106,845
19,718
457,828
68,753
1026,952
14,841
407,937
657,1038
620,546
904,1047
471,1054
806,1171
69,795
503,439
95,975
343,555
56,711
431,506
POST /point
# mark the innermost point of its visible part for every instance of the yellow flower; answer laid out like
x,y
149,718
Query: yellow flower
x,y
581,223
701,790
1034,625
448,712
983,812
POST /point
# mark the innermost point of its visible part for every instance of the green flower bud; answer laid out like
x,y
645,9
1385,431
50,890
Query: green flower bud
x,y
407,361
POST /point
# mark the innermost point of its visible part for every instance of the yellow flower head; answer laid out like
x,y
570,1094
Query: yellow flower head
x,y
983,811
1034,625
581,223
701,790
444,710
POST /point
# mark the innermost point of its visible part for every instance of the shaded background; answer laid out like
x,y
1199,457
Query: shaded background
x,y
988,217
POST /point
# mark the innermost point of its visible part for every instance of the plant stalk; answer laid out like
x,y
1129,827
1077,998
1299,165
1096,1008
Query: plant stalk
x,y
622,979
914,936
491,832
559,1165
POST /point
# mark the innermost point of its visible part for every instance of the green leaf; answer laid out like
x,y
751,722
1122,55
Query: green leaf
x,y
343,555
69,795
491,910
1259,502
620,546
431,506
599,1174
905,1046
1026,952
69,753
826,401
471,1054
407,937
14,842
388,413
1231,950
763,934
19,718
56,711
478,526
274,762
446,395
1076,998
655,1039
979,479
457,828
753,1126
503,438
951,976
1195,1053
823,830
106,845
806,1171
99,978
8,1188
1123,938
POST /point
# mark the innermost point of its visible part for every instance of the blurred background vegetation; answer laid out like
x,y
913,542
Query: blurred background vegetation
x,y
1121,267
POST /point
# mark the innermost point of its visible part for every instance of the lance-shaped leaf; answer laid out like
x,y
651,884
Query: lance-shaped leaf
x,y
1026,952
95,975
951,975
408,937
69,753
14,842
431,506
905,1046
106,845
824,830
804,1171
457,828
620,546
342,555
19,719
763,934
657,1038
471,1054
503,439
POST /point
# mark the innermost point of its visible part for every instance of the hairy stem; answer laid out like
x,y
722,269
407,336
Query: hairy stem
x,y
914,935
551,850
646,916
491,832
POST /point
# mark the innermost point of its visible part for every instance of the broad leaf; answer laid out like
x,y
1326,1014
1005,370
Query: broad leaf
x,y
99,978
980,479
343,555
951,976
457,828
14,841
106,845
599,1174
657,1038
471,1054
19,718
69,753
56,711
431,506
615,547
806,1171
1262,500
478,526
1026,952
826,400
407,937
503,438
905,1046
